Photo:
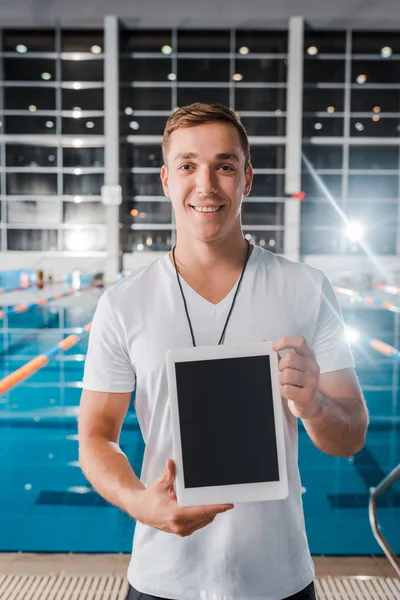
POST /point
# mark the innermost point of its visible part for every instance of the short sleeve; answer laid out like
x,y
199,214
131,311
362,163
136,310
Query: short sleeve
x,y
329,343
108,367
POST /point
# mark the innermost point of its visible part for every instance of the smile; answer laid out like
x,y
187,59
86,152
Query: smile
x,y
207,209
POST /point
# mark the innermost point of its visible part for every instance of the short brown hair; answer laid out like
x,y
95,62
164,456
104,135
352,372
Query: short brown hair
x,y
199,113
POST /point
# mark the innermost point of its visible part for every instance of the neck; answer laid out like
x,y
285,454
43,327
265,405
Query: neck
x,y
195,254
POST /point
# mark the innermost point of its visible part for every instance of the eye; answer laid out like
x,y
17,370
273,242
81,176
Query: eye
x,y
227,168
185,167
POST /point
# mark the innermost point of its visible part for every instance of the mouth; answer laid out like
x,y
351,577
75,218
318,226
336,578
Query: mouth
x,y
207,210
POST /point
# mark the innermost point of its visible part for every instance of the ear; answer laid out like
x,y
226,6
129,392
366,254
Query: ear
x,y
249,180
164,180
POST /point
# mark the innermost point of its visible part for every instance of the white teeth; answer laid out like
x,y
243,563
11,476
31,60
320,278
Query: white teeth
x,y
207,208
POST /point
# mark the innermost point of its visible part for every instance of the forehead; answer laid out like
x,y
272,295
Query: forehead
x,y
207,139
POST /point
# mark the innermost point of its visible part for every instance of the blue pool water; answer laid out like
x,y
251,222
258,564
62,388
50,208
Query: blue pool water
x,y
46,504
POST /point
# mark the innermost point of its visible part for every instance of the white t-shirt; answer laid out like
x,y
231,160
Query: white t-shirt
x,y
256,551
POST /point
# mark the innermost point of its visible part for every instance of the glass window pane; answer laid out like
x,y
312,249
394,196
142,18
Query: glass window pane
x,y
32,239
381,241
30,125
21,98
148,212
270,186
323,71
83,157
366,99
142,156
83,184
264,125
36,40
322,126
247,99
270,240
34,184
81,41
84,240
31,211
87,99
190,40
82,70
145,40
326,42
149,240
262,41
148,98
190,95
318,100
145,69
203,69
333,183
374,157
143,184
265,70
268,157
376,71
371,42
320,242
324,157
374,215
83,126
318,213
257,213
84,212
29,69
19,155
142,125
366,127
373,186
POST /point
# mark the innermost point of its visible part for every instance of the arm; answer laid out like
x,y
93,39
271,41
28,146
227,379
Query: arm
x,y
331,405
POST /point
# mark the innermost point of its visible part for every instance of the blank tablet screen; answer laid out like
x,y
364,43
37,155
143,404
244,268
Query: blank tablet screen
x,y
226,418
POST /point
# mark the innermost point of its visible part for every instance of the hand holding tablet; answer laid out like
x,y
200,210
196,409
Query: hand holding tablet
x,y
227,424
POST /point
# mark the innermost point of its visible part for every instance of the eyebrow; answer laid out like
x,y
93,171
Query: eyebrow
x,y
222,156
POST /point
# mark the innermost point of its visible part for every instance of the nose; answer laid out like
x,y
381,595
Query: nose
x,y
205,183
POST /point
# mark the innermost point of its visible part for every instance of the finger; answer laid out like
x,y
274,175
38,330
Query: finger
x,y
292,392
204,512
292,377
168,476
198,526
297,343
291,360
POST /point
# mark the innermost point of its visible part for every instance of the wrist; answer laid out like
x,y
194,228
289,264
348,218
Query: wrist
x,y
317,413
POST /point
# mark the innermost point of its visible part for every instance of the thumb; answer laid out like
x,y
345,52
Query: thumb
x,y
168,476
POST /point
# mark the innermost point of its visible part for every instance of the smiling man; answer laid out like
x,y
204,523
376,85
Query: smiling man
x,y
213,288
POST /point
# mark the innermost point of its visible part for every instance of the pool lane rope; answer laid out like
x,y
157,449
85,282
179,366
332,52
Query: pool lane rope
x,y
42,360
360,299
21,308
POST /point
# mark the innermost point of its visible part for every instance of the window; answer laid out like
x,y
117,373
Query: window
x,y
86,99
83,126
366,99
264,125
82,70
374,157
264,70
147,98
84,213
262,41
81,41
87,184
322,127
268,185
372,42
376,71
31,184
324,157
84,240
37,40
30,125
145,69
149,240
373,186
83,157
268,157
29,69
145,40
321,100
253,99
203,69
266,213
323,71
142,125
31,211
203,41
22,98
197,94
33,240
19,155
325,42
143,156
159,213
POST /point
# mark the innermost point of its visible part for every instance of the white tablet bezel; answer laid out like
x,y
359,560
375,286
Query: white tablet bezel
x,y
248,492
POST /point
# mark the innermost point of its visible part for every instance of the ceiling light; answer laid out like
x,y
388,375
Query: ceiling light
x,y
272,243
21,48
77,113
237,77
96,49
386,52
312,50
318,126
32,108
376,118
149,241
140,247
244,50
262,243
359,126
49,124
77,171
376,109
46,76
77,143
51,158
361,79
330,109
142,215
134,212
166,50
128,110
134,125
90,124
354,231
172,76
77,199
77,85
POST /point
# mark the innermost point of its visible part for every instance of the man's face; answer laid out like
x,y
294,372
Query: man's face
x,y
206,180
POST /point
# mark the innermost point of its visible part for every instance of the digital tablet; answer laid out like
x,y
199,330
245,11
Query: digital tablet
x,y
227,424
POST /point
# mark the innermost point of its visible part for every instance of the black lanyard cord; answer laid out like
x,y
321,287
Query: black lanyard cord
x,y
222,338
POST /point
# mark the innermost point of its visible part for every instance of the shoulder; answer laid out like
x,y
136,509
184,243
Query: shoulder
x,y
136,282
290,272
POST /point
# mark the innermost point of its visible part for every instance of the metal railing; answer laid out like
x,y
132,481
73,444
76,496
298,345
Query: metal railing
x,y
378,491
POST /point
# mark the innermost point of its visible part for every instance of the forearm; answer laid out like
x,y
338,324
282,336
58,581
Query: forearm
x,y
108,470
338,426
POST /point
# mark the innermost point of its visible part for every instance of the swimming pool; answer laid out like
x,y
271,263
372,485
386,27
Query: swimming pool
x,y
46,504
